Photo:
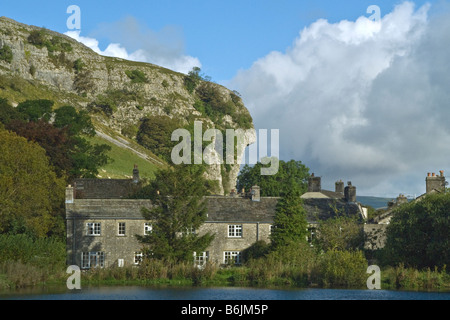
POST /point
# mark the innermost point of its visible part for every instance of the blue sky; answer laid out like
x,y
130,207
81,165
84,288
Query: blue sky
x,y
224,35
353,99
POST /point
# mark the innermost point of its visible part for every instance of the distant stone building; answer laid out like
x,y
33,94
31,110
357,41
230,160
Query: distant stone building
x,y
102,223
376,231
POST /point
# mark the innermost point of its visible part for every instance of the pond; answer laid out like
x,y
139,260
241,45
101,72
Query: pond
x,y
215,293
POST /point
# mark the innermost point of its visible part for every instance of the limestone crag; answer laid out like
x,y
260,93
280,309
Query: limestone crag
x,y
49,69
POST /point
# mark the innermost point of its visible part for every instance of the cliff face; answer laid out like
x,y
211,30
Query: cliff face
x,y
41,64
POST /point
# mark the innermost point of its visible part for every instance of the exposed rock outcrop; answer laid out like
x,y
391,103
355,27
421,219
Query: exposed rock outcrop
x,y
53,65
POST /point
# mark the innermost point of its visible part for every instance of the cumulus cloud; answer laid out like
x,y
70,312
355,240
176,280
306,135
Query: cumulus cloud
x,y
131,40
366,101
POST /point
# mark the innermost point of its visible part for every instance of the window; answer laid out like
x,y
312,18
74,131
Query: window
x,y
147,228
201,258
190,231
311,235
93,228
138,256
121,229
235,230
92,260
272,228
232,257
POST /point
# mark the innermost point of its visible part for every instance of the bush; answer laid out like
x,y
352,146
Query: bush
x,y
346,269
84,82
48,253
130,131
6,54
418,236
78,65
40,39
36,38
155,134
136,76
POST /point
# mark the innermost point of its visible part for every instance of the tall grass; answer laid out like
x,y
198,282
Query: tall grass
x,y
25,261
402,278
153,272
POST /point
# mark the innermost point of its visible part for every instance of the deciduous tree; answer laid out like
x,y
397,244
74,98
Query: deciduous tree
x,y
30,192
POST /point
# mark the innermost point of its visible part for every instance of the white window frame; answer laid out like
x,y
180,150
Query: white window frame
x,y
93,229
138,256
201,259
232,256
235,231
148,228
190,230
121,227
93,259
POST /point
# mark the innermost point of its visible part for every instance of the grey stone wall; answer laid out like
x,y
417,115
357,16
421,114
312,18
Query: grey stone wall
x,y
254,217
375,236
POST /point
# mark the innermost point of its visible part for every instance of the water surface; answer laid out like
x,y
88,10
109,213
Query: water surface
x,y
225,293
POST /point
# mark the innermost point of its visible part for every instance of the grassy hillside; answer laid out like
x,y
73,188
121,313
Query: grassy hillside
x,y
123,161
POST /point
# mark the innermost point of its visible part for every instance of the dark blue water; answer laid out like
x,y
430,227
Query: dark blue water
x,y
227,293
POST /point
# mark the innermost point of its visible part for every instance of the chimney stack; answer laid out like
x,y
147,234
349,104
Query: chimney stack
x,y
350,192
339,187
135,174
314,184
434,182
256,193
69,194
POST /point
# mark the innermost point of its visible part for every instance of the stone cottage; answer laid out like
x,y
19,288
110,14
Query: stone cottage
x,y
376,231
102,223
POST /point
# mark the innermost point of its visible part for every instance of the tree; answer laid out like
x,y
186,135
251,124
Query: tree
x,y
77,122
155,134
418,233
179,209
8,112
55,141
192,79
290,225
36,109
31,194
87,158
340,233
290,174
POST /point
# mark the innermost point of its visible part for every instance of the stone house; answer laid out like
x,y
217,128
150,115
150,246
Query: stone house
x,y
376,231
102,223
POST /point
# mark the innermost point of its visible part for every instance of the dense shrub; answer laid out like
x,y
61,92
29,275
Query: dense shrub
x,y
345,269
6,54
155,134
418,234
136,76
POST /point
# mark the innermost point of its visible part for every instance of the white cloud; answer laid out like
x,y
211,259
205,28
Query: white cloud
x,y
360,100
131,41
